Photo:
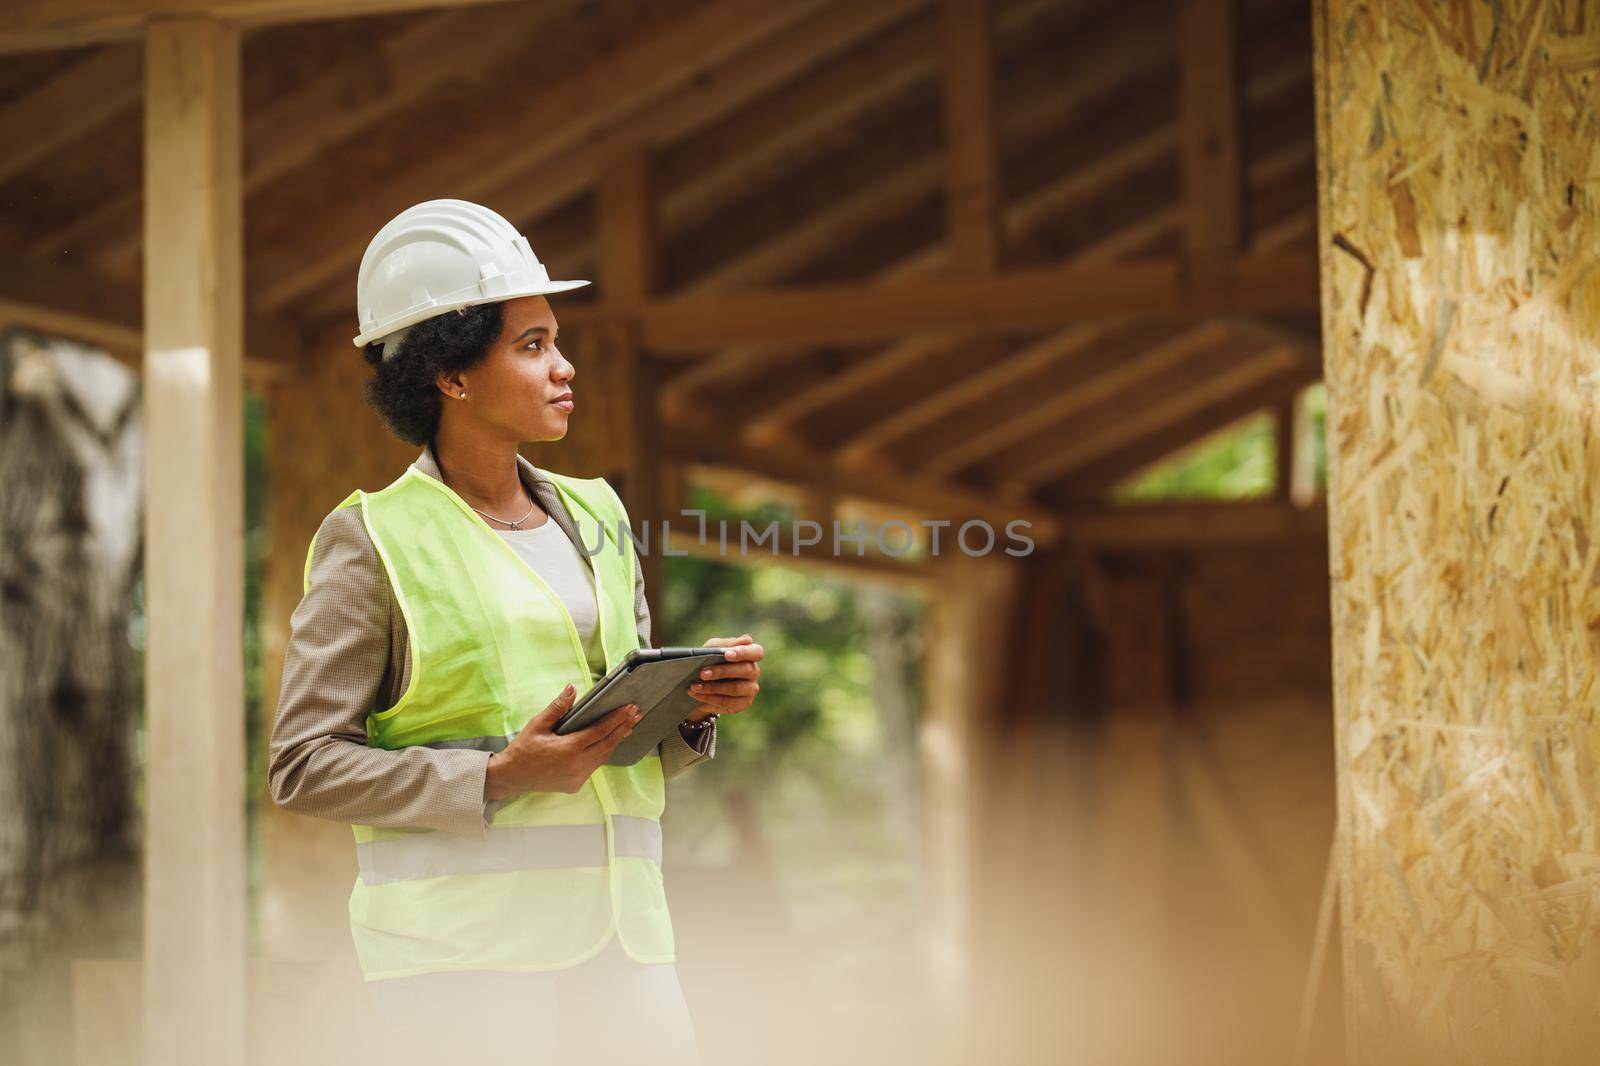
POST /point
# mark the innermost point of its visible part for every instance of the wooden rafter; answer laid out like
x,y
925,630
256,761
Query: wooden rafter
x,y
42,295
972,155
1049,101
521,130
754,142
1201,522
1284,440
1287,231
1210,120
628,274
90,92
765,67
1080,186
693,441
1076,185
866,85
628,229
702,175
1141,364
899,358
818,558
1000,368
1091,481
1149,419
295,128
1021,299
38,25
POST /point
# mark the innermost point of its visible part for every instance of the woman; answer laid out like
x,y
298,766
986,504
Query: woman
x,y
509,902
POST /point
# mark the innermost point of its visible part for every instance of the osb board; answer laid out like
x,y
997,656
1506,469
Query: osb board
x,y
1458,148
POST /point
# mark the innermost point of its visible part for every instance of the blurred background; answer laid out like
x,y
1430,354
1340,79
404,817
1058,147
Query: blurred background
x,y
878,260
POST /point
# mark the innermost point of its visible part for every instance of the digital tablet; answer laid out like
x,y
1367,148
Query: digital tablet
x,y
658,680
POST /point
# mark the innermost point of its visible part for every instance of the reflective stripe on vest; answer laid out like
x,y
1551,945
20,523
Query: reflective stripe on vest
x,y
521,847
557,874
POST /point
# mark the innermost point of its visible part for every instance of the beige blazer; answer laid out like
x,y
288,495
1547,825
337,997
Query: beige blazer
x,y
348,655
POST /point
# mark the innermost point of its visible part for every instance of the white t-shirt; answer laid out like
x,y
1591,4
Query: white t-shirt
x,y
550,554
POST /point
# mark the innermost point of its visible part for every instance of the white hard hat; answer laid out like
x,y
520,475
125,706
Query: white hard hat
x,y
439,256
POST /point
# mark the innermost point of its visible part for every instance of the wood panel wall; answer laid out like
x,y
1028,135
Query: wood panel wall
x,y
1457,152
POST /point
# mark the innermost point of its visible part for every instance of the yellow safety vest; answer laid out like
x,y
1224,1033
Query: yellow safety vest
x,y
491,645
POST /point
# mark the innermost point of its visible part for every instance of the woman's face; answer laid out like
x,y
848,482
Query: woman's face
x,y
513,391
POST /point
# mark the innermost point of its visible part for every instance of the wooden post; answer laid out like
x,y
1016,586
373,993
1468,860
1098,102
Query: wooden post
x,y
628,276
1460,311
1285,424
972,606
194,906
972,159
1209,108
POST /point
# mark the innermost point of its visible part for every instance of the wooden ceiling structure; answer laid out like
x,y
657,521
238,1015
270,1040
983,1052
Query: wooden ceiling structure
x,y
967,258
1002,253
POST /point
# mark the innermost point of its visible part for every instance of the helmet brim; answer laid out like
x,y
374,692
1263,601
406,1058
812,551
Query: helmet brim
x,y
543,289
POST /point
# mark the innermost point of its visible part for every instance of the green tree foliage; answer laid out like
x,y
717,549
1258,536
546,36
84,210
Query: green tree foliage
x,y
817,683
827,757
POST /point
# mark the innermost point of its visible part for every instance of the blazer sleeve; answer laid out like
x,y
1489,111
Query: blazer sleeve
x,y
334,668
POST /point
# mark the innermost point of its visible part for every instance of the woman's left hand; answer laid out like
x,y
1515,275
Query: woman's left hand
x,y
730,687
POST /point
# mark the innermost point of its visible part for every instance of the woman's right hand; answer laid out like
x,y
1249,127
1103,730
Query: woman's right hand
x,y
541,760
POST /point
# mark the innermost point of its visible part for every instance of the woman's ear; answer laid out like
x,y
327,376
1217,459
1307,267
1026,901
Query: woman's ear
x,y
452,384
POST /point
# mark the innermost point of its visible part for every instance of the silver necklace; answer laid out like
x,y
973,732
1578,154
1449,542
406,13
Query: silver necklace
x,y
514,525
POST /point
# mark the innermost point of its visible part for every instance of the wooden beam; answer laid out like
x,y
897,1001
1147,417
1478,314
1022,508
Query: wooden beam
x,y
1284,419
294,128
1020,299
1251,372
45,296
1083,185
1303,487
627,228
881,368
788,550
1080,186
194,861
72,103
522,130
755,139
701,175
972,155
904,355
995,375
42,25
891,184
693,441
1142,365
71,303
1091,481
1298,331
1287,231
1181,524
627,276
1209,105
670,119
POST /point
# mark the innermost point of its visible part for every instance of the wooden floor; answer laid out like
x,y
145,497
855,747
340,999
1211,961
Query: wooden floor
x,y
1152,893
1148,895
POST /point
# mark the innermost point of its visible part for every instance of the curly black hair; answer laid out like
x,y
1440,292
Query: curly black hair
x,y
402,387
